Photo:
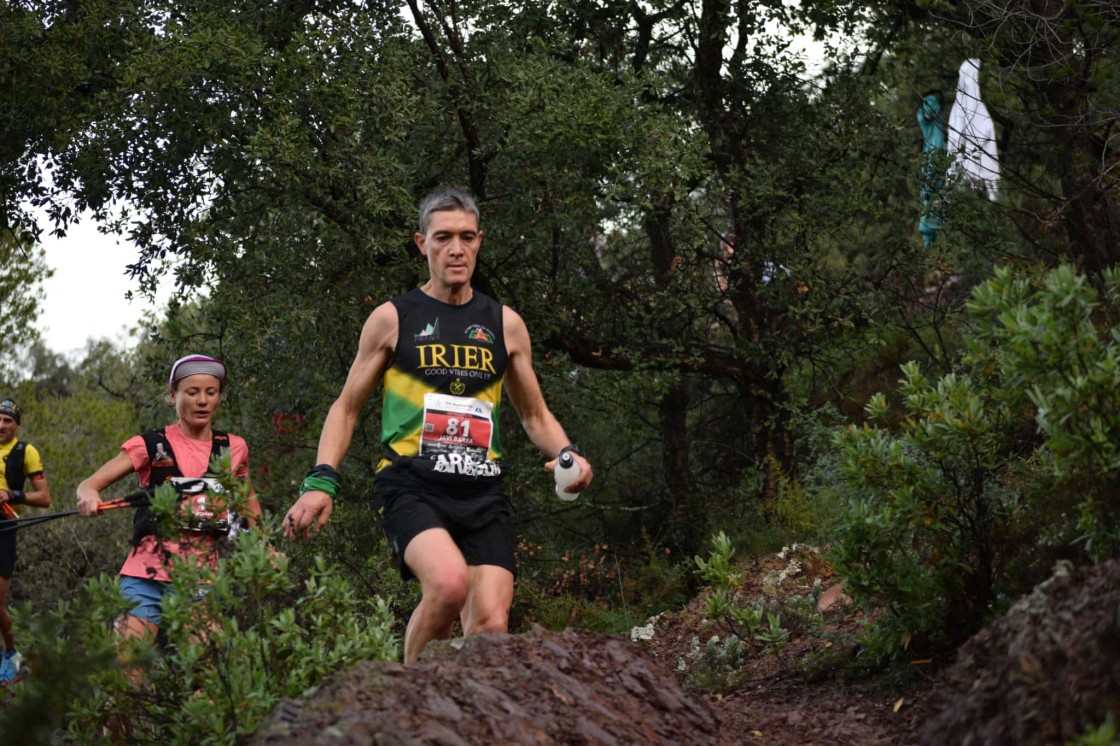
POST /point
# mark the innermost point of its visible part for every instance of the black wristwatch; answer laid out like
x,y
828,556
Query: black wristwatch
x,y
571,447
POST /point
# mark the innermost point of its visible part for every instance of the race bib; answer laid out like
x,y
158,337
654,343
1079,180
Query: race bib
x,y
456,425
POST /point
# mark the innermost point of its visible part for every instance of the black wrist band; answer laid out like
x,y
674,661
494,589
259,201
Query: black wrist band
x,y
17,497
572,448
326,471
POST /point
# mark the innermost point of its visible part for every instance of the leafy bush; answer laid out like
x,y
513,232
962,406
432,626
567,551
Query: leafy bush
x,y
712,665
757,623
948,500
921,543
255,637
1056,347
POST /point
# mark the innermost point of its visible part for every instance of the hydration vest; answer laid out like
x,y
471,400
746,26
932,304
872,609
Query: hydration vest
x,y
14,473
164,468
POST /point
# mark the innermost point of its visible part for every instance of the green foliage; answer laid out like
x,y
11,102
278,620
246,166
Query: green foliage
x,y
747,626
757,623
946,505
793,507
24,269
1104,734
718,569
558,611
714,663
66,646
235,638
659,583
925,541
238,639
588,590
76,424
1043,335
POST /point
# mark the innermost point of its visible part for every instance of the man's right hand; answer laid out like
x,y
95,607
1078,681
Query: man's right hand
x,y
311,512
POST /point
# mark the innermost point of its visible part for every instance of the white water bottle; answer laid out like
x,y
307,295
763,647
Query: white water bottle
x,y
566,472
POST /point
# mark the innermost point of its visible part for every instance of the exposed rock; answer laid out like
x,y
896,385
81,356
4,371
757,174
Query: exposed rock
x,y
536,688
1041,673
831,597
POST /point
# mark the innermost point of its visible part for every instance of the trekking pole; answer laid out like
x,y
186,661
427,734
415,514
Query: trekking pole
x,y
134,500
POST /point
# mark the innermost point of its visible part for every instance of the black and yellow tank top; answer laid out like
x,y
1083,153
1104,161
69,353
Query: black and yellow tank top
x,y
443,390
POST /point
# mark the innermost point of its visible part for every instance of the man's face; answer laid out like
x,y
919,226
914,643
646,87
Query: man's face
x,y
451,245
8,428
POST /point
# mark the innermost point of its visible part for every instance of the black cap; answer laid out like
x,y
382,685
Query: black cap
x,y
10,408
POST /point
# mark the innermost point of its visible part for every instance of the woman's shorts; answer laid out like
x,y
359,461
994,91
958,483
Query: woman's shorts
x,y
146,595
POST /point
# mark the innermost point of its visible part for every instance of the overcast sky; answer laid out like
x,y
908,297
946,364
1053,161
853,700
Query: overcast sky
x,y
85,297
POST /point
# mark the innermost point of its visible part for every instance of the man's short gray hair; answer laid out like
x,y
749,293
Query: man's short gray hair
x,y
444,199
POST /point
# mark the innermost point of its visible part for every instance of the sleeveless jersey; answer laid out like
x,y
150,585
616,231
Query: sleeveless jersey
x,y
443,390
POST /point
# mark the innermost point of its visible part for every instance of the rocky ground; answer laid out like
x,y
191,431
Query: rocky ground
x,y
1044,673
661,686
815,689
539,687
1041,674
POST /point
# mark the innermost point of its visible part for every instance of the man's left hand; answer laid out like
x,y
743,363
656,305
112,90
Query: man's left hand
x,y
585,473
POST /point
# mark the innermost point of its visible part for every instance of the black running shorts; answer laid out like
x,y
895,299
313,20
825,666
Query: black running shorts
x,y
7,552
476,516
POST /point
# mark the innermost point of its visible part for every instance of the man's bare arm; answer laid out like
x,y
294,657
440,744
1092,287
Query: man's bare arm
x,y
39,496
375,352
524,390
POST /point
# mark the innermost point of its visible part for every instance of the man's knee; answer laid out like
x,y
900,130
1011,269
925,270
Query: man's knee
x,y
494,621
448,590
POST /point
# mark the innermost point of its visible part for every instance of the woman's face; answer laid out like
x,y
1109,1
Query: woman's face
x,y
196,399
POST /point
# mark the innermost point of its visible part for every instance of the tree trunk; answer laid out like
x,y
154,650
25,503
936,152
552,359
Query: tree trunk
x,y
688,523
1092,216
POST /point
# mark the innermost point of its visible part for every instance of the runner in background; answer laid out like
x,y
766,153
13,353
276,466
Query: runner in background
x,y
181,451
20,464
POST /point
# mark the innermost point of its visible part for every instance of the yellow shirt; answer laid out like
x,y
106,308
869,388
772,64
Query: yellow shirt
x,y
32,463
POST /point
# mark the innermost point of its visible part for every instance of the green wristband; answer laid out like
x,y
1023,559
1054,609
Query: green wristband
x,y
319,484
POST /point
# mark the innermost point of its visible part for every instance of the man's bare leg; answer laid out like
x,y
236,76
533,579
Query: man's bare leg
x,y
443,574
5,617
489,599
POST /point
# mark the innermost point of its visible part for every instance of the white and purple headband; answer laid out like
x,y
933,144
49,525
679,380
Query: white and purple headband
x,y
192,365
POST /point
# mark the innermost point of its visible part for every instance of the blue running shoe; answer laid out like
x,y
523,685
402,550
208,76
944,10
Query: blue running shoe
x,y
9,667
